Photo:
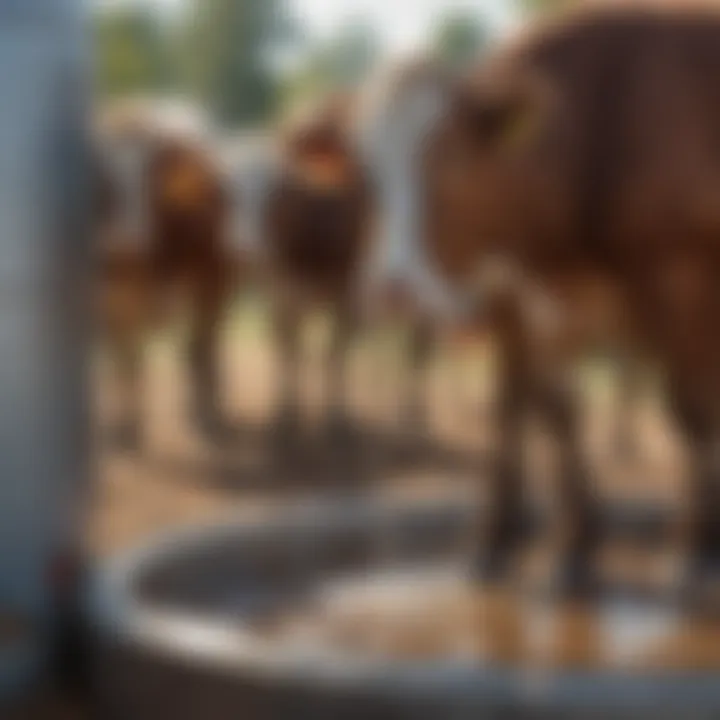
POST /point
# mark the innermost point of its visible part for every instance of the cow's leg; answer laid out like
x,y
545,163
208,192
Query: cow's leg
x,y
287,330
557,401
681,306
414,409
125,309
702,431
503,523
210,299
705,507
557,337
629,387
126,356
339,426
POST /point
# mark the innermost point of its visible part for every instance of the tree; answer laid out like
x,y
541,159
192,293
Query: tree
x,y
460,38
131,49
536,6
228,47
339,62
349,56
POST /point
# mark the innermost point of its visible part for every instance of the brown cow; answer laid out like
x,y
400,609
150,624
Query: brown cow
x,y
168,236
584,158
317,228
398,109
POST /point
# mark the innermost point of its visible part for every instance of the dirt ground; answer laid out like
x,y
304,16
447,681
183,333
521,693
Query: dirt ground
x,y
180,478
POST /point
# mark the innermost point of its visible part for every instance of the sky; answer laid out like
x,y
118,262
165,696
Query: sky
x,y
402,23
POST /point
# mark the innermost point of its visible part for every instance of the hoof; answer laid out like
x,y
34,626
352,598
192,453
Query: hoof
x,y
499,554
701,579
575,576
126,437
339,428
412,442
212,425
493,565
341,436
285,431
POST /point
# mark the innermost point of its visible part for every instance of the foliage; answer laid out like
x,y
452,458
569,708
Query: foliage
x,y
339,62
227,48
536,6
132,53
459,39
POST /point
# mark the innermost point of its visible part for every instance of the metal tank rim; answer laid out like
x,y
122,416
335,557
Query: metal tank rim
x,y
118,616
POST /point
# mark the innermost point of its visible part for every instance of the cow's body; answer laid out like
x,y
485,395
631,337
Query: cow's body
x,y
427,190
316,231
166,239
317,237
586,149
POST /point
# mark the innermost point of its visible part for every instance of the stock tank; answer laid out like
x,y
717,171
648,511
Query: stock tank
x,y
367,611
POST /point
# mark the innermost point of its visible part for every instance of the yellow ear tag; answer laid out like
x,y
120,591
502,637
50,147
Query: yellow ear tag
x,y
519,128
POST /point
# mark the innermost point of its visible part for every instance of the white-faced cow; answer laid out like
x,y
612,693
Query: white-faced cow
x,y
164,233
315,220
574,178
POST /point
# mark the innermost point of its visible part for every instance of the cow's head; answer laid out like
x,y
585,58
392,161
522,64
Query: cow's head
x,y
316,145
459,166
124,141
183,178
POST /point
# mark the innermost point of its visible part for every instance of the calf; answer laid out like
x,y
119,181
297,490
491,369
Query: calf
x,y
167,236
317,225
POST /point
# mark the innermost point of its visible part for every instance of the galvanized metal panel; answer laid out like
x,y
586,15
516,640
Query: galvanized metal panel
x,y
43,281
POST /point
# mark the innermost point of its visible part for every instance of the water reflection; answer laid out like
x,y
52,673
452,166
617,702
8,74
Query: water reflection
x,y
441,617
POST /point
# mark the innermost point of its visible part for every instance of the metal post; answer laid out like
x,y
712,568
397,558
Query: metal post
x,y
43,334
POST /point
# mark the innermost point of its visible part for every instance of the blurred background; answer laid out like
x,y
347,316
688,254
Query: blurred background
x,y
241,68
247,61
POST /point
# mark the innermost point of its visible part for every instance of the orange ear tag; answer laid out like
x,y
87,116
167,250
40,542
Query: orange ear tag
x,y
324,172
184,187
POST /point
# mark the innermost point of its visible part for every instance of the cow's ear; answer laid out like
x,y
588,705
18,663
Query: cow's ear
x,y
501,116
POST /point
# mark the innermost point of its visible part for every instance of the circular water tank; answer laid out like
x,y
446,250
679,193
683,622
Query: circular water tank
x,y
354,612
